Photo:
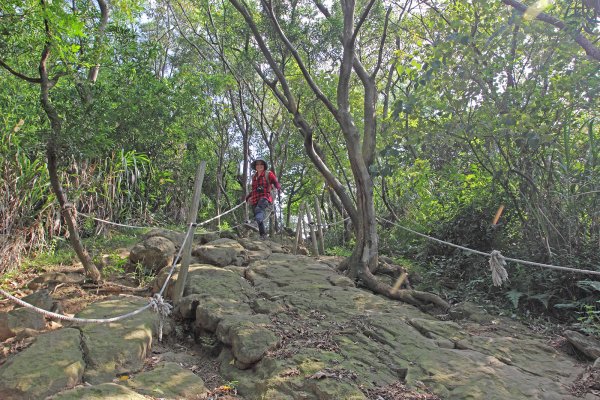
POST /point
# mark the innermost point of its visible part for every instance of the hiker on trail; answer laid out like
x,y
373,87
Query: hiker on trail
x,y
260,196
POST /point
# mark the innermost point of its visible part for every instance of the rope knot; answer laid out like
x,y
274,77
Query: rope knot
x,y
163,309
160,306
497,263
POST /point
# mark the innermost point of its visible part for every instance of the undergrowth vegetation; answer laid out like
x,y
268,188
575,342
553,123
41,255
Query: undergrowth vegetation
x,y
487,114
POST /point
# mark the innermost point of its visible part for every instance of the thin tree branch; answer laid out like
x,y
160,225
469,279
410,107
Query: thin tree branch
x,y
589,48
322,8
315,88
194,45
362,19
382,43
18,74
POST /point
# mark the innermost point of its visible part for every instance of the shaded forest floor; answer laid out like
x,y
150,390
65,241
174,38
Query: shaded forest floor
x,y
183,346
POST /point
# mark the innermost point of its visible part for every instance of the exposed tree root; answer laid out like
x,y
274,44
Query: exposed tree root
x,y
110,287
405,293
387,267
343,265
410,296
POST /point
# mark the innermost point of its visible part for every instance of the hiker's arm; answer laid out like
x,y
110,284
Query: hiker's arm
x,y
275,180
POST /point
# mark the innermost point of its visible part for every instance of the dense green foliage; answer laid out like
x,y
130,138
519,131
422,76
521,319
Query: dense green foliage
x,y
480,108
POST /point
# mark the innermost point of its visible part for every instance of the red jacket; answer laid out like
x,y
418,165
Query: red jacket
x,y
261,181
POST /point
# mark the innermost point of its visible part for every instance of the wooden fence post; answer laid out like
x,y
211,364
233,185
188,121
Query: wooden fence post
x,y
298,229
311,228
319,226
187,249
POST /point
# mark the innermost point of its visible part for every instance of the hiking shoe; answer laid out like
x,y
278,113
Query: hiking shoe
x,y
252,225
263,237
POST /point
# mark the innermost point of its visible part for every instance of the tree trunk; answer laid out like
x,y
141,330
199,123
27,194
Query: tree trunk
x,y
68,213
67,209
361,151
104,10
364,258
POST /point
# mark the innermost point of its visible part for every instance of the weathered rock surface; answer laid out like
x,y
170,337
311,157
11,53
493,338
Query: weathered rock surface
x,y
153,254
221,252
92,353
329,328
168,381
117,347
289,327
52,363
23,321
587,345
103,391
20,320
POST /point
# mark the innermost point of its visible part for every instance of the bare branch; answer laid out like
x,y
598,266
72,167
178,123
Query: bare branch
x,y
382,42
589,48
362,19
18,74
316,90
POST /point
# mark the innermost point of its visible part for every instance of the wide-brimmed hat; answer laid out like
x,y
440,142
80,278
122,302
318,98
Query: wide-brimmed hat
x,y
253,165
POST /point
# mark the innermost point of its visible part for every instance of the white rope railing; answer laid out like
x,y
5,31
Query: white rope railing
x,y
497,260
116,223
222,214
156,303
149,227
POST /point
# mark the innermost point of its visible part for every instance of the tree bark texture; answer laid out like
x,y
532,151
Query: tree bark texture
x,y
360,148
67,210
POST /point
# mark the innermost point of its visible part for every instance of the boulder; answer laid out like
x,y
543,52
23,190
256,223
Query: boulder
x,y
585,344
206,237
153,254
169,381
54,362
175,237
117,347
249,342
20,320
210,311
42,299
221,252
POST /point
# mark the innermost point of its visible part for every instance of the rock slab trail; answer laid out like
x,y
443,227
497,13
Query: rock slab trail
x,y
279,326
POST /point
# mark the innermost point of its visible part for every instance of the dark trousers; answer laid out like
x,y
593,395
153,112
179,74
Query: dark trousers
x,y
259,214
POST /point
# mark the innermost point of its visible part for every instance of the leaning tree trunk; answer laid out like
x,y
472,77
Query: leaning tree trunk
x,y
68,213
363,262
67,210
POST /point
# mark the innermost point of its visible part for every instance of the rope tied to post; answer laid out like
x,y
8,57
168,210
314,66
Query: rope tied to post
x,y
497,264
163,309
